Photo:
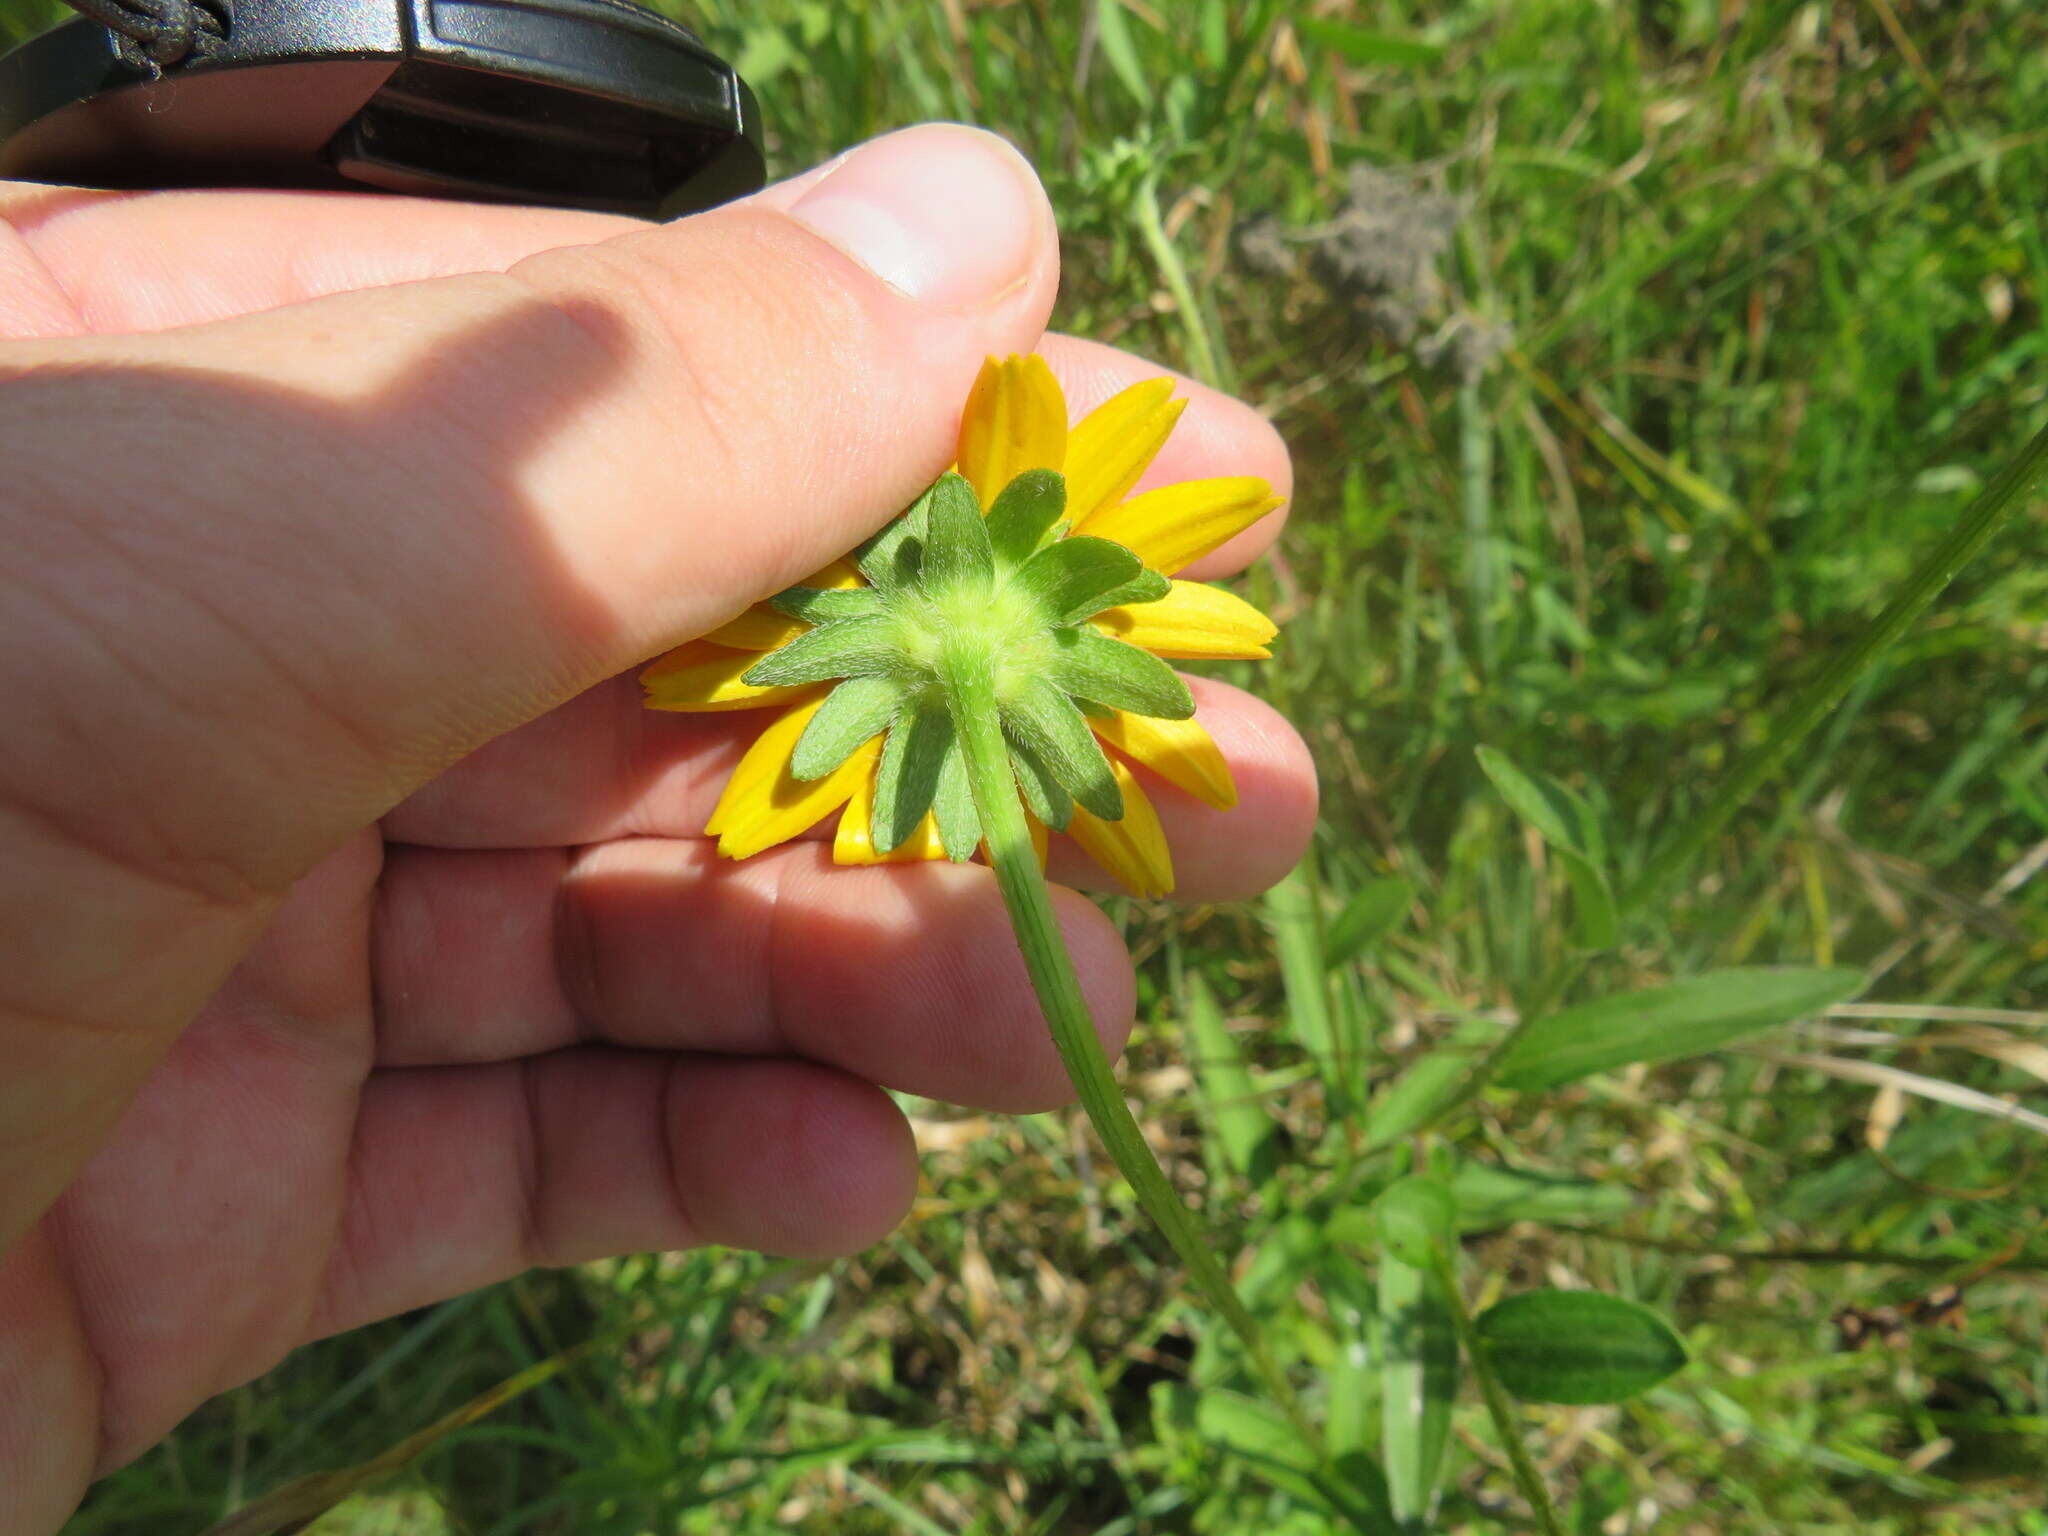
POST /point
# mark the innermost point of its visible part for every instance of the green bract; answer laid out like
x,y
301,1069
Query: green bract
x,y
1002,596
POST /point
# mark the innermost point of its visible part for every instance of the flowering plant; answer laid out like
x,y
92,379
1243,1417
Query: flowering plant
x,y
987,670
1030,574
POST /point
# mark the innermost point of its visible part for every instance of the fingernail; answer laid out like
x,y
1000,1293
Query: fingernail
x,y
949,216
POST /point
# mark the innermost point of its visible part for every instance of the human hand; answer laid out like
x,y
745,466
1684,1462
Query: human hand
x,y
363,947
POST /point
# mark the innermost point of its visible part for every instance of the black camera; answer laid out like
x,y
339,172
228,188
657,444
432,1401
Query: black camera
x,y
597,104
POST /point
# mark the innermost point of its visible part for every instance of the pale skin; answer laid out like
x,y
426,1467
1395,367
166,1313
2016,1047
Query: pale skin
x,y
361,945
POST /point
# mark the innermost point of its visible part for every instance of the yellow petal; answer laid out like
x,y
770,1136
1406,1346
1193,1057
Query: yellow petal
x,y
1016,419
762,628
1134,849
1195,620
701,677
764,804
1179,751
1176,525
1109,447
855,843
759,628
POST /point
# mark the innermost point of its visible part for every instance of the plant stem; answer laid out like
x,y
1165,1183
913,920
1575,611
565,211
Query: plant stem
x,y
970,695
1205,360
1988,512
1475,486
1498,1408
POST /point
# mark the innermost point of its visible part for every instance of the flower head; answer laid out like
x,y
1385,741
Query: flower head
x,y
1032,569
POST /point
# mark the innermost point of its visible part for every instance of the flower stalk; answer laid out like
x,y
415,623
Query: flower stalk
x,y
970,697
989,669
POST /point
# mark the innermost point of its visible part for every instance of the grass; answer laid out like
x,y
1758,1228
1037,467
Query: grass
x,y
1771,292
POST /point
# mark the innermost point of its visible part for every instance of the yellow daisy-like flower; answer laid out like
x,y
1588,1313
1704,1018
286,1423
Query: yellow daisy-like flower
x,y
1059,591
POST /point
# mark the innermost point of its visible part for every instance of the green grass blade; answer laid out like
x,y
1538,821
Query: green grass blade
x,y
1991,509
1243,1127
1295,922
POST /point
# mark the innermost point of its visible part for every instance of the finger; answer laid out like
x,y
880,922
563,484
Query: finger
x,y
126,261
1217,435
308,558
605,766
402,521
460,1176
1225,855
905,976
139,261
144,261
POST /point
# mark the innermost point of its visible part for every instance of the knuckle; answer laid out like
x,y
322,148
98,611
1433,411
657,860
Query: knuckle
x,y
727,340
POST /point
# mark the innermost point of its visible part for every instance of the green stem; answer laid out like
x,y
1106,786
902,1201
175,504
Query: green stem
x,y
1498,1408
1204,359
970,695
1991,509
1475,483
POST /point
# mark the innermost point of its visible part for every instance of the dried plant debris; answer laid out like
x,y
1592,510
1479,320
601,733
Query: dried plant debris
x,y
1464,345
1377,256
1264,248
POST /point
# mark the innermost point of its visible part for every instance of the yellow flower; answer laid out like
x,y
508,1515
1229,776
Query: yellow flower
x,y
1015,423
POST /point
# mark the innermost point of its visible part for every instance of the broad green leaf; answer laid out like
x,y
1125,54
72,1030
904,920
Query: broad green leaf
x,y
853,714
1374,911
1426,1084
1043,720
824,605
1291,916
1119,675
1577,1347
1492,1195
1560,814
1251,1427
1568,825
1243,1126
1367,1503
1363,46
957,553
1074,578
1024,514
1418,1220
1285,1255
1260,1438
1684,1018
1418,1381
1596,924
1351,1379
868,646
907,778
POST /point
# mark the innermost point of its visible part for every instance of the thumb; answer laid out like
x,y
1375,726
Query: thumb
x,y
265,577
323,551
